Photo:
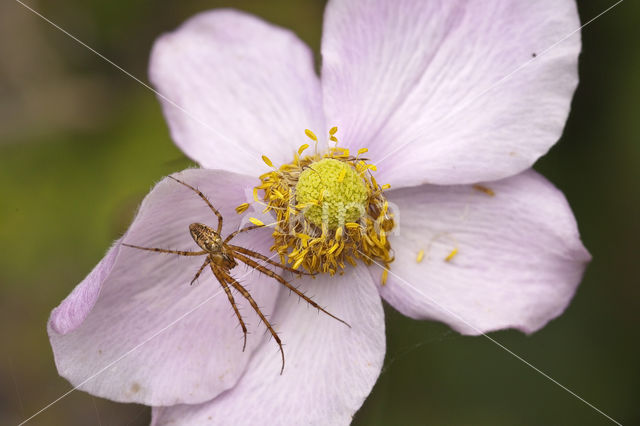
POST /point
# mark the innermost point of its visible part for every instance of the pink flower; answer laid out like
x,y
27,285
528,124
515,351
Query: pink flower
x,y
426,87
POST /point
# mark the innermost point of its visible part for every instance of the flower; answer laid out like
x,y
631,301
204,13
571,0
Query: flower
x,y
482,242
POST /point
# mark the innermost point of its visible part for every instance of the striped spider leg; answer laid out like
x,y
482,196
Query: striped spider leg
x,y
222,257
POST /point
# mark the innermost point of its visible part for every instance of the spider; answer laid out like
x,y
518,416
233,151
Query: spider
x,y
222,257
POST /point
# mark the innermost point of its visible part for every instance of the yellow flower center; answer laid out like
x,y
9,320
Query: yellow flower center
x,y
330,210
333,191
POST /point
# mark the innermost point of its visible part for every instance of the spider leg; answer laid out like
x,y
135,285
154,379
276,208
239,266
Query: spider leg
x,y
206,200
204,265
245,229
243,291
161,250
266,259
252,263
222,279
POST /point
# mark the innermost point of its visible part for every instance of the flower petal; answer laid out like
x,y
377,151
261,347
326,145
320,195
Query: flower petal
x,y
519,257
135,330
329,370
244,88
450,91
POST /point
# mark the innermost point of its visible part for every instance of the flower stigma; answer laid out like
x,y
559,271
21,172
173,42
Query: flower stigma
x,y
332,192
330,210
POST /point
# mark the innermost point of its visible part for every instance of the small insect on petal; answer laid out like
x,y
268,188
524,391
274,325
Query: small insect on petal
x,y
256,222
267,161
242,208
311,135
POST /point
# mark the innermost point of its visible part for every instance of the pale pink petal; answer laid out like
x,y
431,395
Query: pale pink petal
x,y
427,85
245,87
519,256
330,368
126,332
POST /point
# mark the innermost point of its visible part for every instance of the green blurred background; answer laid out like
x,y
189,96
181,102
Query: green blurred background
x,y
81,144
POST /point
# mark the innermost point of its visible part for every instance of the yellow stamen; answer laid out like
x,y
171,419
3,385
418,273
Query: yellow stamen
x,y
298,263
362,151
256,222
333,248
385,274
302,148
451,255
333,130
311,135
484,189
420,256
294,253
267,161
242,208
303,237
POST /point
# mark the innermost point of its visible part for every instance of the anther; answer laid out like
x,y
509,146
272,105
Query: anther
x,y
242,208
451,255
267,161
311,135
256,222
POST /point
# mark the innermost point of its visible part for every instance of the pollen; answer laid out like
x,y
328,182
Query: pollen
x,y
267,161
331,212
256,222
490,192
242,208
451,255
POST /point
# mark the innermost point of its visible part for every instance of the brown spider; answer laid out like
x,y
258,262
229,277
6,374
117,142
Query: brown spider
x,y
221,257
